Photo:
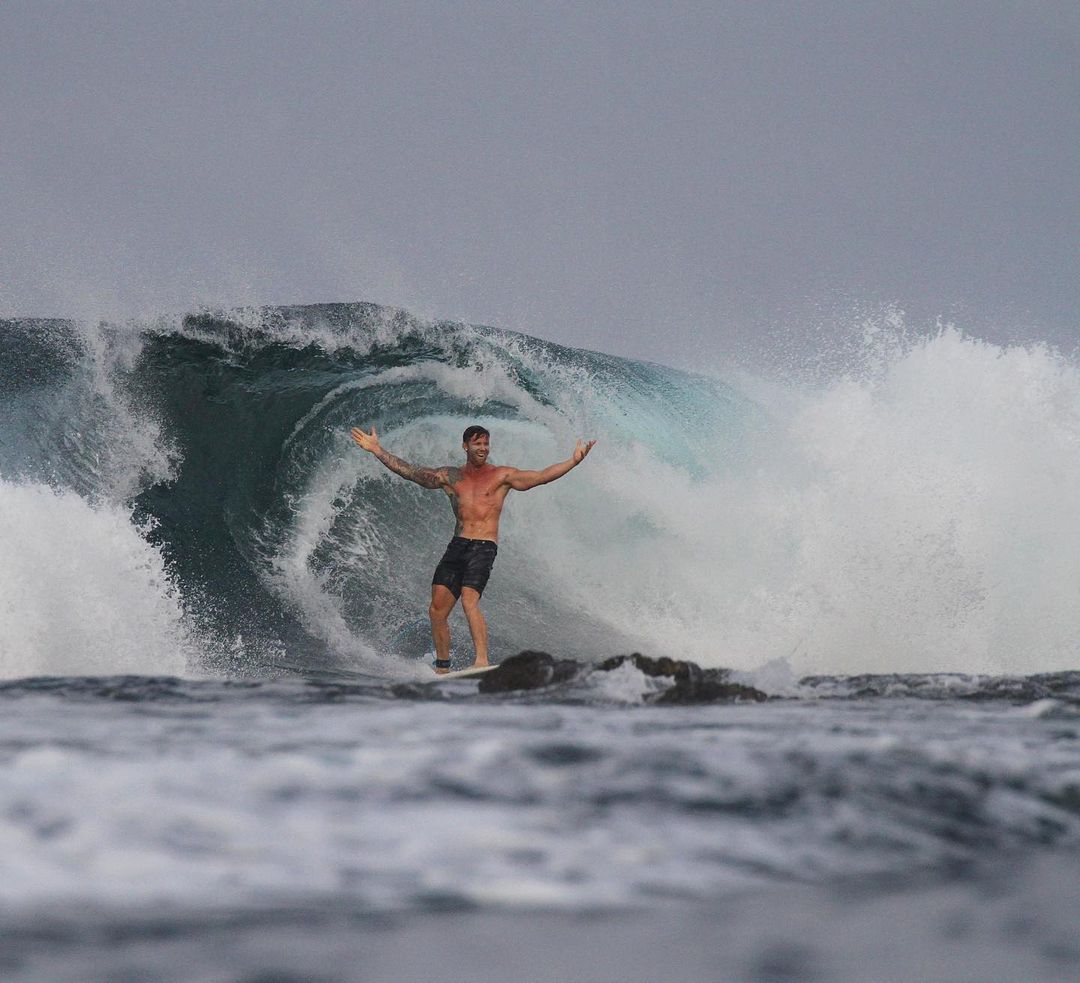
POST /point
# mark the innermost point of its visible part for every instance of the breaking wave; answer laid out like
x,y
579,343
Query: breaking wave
x,y
193,479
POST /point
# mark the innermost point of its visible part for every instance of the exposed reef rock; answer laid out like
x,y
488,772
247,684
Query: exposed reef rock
x,y
529,670
691,683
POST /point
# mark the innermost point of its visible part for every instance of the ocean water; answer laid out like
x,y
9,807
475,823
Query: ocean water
x,y
224,756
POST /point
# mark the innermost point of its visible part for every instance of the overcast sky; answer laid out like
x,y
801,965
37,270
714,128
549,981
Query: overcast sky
x,y
652,179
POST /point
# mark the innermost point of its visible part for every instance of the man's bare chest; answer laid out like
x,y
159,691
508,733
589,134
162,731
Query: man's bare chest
x,y
478,494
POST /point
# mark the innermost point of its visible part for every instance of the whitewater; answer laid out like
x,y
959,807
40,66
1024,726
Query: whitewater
x,y
224,752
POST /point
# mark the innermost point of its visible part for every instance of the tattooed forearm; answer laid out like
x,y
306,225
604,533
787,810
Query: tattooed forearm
x,y
426,477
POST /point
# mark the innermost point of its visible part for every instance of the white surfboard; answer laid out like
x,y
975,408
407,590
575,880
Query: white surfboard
x,y
462,673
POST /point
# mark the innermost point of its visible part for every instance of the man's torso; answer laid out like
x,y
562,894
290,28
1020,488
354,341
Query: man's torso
x,y
477,497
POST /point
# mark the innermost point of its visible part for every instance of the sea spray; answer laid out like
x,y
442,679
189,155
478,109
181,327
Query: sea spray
x,y
927,503
82,592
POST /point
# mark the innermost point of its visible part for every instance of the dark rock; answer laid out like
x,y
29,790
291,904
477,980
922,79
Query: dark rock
x,y
528,670
692,683
677,668
708,689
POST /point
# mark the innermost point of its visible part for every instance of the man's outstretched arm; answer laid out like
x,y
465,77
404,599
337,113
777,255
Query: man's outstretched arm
x,y
425,477
524,480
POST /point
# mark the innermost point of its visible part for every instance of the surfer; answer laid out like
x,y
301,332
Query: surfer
x,y
477,491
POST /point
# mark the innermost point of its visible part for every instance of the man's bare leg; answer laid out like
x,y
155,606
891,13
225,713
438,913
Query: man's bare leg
x,y
470,601
442,603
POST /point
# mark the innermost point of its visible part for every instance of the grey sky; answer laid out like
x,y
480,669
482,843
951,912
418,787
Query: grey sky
x,y
657,180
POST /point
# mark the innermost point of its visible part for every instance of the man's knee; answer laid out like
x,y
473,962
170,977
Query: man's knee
x,y
442,602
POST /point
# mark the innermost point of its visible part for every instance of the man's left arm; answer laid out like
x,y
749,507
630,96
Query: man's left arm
x,y
524,480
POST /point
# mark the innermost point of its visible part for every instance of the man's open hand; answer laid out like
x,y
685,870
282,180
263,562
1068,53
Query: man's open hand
x,y
582,449
369,441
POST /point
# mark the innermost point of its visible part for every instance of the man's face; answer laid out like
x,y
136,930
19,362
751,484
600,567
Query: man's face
x,y
476,450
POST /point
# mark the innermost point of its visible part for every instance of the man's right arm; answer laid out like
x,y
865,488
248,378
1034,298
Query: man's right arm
x,y
425,477
524,480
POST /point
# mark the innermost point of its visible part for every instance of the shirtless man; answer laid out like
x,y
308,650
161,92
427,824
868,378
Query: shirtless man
x,y
477,492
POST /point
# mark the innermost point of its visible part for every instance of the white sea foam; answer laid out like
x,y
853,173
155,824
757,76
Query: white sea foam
x,y
928,511
918,518
81,591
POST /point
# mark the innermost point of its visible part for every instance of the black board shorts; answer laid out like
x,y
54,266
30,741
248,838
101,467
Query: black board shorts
x,y
466,563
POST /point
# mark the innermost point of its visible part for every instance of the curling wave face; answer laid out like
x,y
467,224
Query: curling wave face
x,y
913,516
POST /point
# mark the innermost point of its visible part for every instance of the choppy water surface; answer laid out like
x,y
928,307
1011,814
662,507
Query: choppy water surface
x,y
143,816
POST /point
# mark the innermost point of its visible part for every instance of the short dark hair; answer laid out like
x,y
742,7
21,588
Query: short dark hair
x,y
474,431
